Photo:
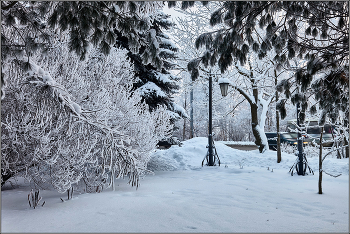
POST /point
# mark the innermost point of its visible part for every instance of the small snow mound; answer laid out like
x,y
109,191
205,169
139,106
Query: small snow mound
x,y
76,107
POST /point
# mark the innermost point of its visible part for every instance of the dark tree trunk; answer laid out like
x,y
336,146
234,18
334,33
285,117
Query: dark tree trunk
x,y
184,128
279,157
346,148
191,113
320,164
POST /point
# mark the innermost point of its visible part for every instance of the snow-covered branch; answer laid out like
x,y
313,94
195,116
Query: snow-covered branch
x,y
49,132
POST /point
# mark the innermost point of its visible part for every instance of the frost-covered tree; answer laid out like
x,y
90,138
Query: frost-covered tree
x,y
255,86
256,81
109,124
92,129
189,25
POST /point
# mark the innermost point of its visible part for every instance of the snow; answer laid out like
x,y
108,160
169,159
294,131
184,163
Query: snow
x,y
149,88
163,77
153,33
243,71
116,8
46,78
249,192
168,42
262,136
166,51
223,81
173,115
236,142
180,109
76,107
262,118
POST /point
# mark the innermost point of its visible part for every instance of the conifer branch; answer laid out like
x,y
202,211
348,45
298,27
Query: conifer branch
x,y
6,7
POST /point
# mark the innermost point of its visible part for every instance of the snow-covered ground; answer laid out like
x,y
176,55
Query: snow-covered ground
x,y
244,194
237,142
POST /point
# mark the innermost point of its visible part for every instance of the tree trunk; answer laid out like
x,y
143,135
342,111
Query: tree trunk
x,y
255,126
279,154
191,112
184,128
279,157
346,148
320,164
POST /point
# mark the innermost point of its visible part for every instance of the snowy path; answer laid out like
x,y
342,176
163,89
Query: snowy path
x,y
196,199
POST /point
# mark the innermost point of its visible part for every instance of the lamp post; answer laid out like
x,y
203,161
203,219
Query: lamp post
x,y
191,112
210,136
211,154
300,145
301,163
300,167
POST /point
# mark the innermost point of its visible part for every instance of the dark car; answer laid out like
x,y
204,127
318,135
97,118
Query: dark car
x,y
287,138
290,138
314,132
168,142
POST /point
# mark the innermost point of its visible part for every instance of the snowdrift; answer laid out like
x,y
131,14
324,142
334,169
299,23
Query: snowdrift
x,y
190,155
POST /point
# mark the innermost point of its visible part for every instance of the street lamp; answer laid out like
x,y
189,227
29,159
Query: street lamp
x,y
211,154
223,82
300,154
301,163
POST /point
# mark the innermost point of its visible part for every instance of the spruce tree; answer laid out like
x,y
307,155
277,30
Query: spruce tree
x,y
152,64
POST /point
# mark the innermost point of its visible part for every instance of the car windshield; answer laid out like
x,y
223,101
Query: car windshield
x,y
291,135
313,130
271,135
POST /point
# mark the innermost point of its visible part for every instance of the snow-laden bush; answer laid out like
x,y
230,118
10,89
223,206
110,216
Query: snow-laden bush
x,y
84,124
310,150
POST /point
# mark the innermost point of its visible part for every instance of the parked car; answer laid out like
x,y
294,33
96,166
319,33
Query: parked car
x,y
168,142
286,138
291,138
313,131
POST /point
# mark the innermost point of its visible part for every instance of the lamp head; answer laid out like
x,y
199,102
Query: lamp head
x,y
223,88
